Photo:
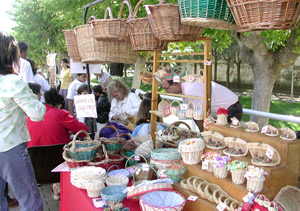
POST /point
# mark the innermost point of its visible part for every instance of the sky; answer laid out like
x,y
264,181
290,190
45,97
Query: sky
x,y
6,23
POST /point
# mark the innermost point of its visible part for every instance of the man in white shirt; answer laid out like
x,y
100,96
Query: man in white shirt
x,y
25,73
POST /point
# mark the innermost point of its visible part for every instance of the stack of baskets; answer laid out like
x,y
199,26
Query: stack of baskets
x,y
72,47
161,158
191,150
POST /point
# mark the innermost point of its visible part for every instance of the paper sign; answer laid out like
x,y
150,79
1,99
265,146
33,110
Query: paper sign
x,y
235,122
270,153
248,197
137,158
176,78
207,62
145,167
99,203
205,165
162,173
138,171
192,198
85,106
264,129
221,206
61,167
160,132
183,106
78,67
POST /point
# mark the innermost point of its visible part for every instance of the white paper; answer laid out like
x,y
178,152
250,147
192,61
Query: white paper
x,y
183,106
235,122
85,106
207,62
176,78
160,132
61,167
137,158
247,197
78,67
99,203
138,171
145,167
264,129
205,165
221,206
192,198
270,153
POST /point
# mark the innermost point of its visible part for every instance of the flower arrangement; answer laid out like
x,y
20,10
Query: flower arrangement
x,y
237,165
255,178
221,161
222,111
222,116
255,172
209,155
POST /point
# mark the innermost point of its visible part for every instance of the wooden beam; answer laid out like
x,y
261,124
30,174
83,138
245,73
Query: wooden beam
x,y
181,54
180,61
180,95
207,77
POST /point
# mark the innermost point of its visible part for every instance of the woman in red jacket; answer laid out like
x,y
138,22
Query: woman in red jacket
x,y
56,125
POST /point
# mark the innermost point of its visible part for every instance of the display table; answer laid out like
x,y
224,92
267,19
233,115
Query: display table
x,y
73,199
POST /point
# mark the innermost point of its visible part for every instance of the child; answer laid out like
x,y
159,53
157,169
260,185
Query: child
x,y
103,104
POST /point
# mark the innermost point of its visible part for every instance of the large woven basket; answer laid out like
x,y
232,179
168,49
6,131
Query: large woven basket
x,y
141,34
72,47
255,15
113,193
190,150
113,145
235,147
259,158
206,14
165,154
113,29
165,23
288,198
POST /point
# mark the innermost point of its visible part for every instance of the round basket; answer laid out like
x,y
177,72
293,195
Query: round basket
x,y
221,172
82,150
255,184
162,200
94,188
256,15
174,172
117,180
144,171
72,163
88,173
206,13
123,172
209,190
113,193
190,150
259,158
238,176
235,147
165,154
288,134
72,47
288,198
112,145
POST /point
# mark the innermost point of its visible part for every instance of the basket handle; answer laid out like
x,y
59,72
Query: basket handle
x,y
135,155
105,153
162,1
108,10
180,70
178,123
199,105
125,134
91,18
122,8
111,167
111,127
193,104
174,102
133,177
137,8
72,148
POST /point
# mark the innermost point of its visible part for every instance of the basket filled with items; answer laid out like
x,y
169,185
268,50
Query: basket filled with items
x,y
235,147
213,140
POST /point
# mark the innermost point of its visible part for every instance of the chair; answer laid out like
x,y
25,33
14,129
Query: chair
x,y
44,159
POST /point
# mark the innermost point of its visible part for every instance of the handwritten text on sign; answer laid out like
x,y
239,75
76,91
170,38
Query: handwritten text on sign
x,y
85,106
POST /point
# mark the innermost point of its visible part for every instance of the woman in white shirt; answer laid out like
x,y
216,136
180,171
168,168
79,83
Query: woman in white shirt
x,y
122,100
104,79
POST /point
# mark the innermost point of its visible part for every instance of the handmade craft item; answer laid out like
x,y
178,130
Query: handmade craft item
x,y
235,147
213,140
238,170
269,130
220,166
287,134
235,123
255,178
209,157
71,42
190,150
288,198
93,188
174,172
263,154
252,127
113,193
222,116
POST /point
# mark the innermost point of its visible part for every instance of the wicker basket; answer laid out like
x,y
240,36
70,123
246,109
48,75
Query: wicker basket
x,y
190,150
165,154
162,164
94,188
113,193
235,147
190,110
255,15
118,171
165,23
221,172
270,130
218,194
288,134
213,140
209,190
259,158
206,14
141,34
144,171
221,119
117,180
252,127
192,183
174,172
174,109
288,198
201,187
72,47
113,29
255,184
238,176
183,184
198,113
112,145
82,150
72,163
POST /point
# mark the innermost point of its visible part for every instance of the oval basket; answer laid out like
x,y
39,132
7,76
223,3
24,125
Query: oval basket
x,y
288,134
190,150
213,140
113,145
117,180
72,47
288,198
258,152
165,154
235,147
113,193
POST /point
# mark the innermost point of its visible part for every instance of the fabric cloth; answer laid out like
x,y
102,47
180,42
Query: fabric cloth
x,y
54,129
26,73
144,129
221,96
110,133
16,101
65,78
130,104
72,90
236,111
103,108
44,84
16,169
104,78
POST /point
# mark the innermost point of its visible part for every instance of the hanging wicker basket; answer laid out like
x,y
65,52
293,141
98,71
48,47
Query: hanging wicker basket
x,y
72,47
141,34
206,13
165,23
256,15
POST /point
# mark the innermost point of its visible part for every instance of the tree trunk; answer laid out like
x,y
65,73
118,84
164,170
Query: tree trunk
x,y
227,72
238,75
140,66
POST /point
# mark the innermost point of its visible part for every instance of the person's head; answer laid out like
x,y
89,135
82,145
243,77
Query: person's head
x,y
83,89
97,89
54,99
64,63
33,66
81,77
36,89
170,86
118,90
23,46
10,55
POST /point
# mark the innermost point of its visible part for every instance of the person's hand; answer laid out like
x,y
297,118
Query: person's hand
x,y
114,117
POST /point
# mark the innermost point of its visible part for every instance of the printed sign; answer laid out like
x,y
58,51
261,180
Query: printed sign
x,y
160,132
99,203
221,206
192,198
137,158
183,106
207,62
176,78
264,129
270,152
247,197
205,165
85,106
145,167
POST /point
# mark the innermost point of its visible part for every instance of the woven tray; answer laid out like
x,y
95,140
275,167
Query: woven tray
x,y
288,134
235,147
288,198
252,127
271,131
213,140
258,152
136,193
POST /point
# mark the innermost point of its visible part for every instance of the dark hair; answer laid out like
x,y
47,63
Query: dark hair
x,y
64,60
97,89
9,55
33,66
35,87
23,46
82,88
53,98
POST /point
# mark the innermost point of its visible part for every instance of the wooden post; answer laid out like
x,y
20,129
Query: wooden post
x,y
207,76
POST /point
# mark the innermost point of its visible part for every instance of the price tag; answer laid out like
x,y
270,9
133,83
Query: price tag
x,y
138,171
264,129
148,10
160,132
235,122
270,153
207,62
162,174
145,167
221,206
176,78
205,165
192,198
247,197
131,170
137,158
99,203
183,106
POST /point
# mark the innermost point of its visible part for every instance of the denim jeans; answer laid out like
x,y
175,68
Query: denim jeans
x,y
17,171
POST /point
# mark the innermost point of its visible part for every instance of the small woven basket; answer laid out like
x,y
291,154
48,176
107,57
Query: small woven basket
x,y
198,113
165,154
255,184
112,145
113,193
72,47
235,147
213,140
209,190
259,158
165,23
72,163
206,13
94,188
238,176
174,172
174,109
220,172
141,34
82,150
256,15
117,180
222,119
118,171
144,171
190,110
190,150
